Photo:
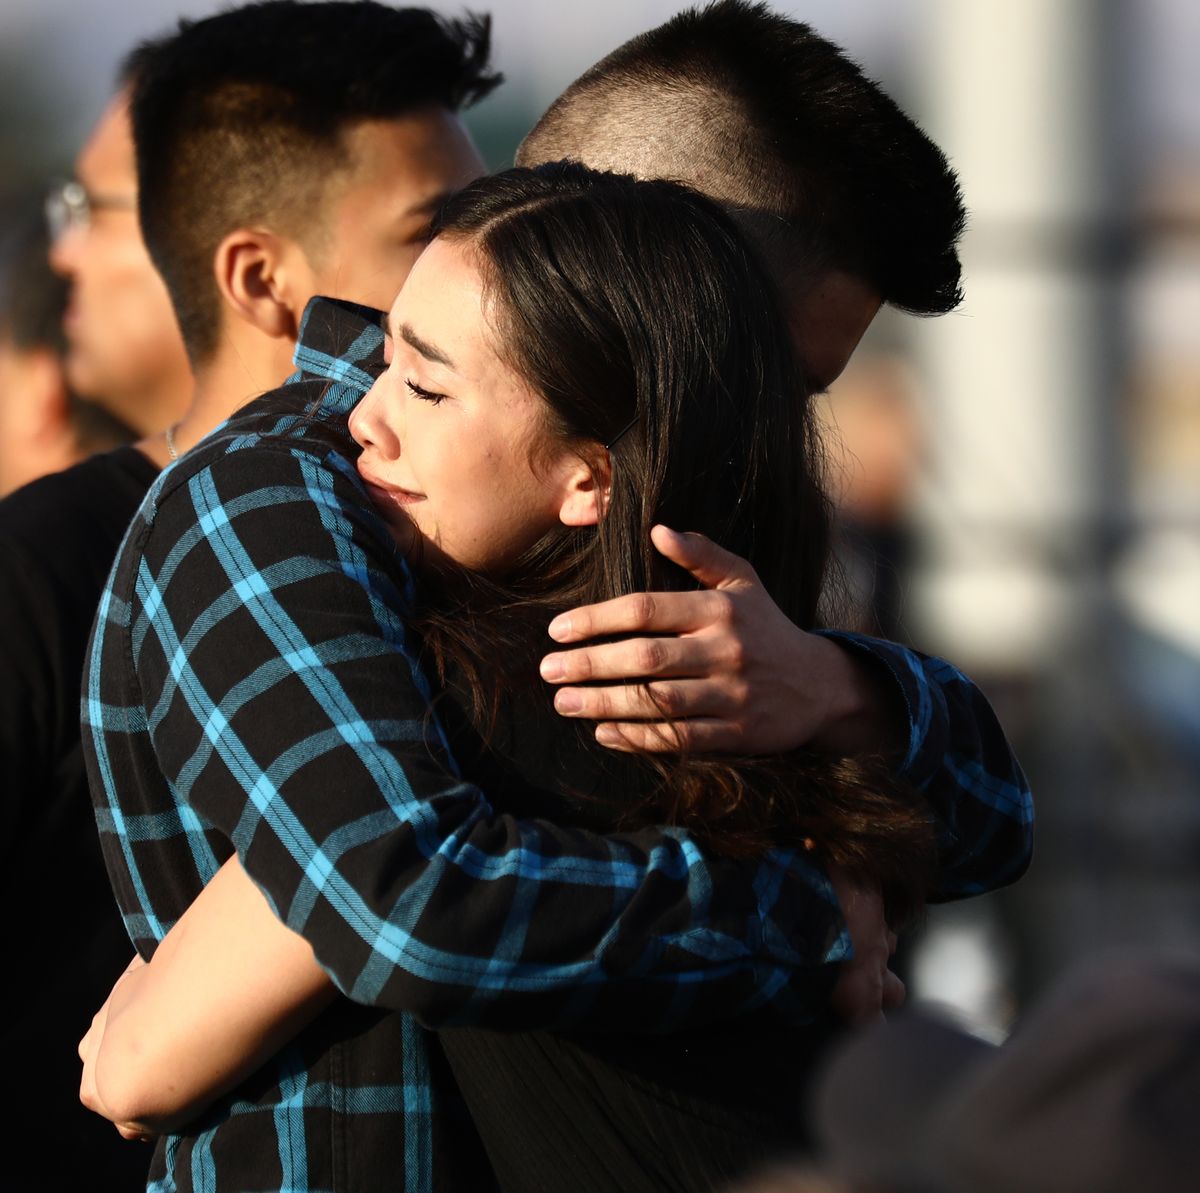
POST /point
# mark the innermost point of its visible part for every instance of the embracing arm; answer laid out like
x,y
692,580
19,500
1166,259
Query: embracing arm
x,y
227,987
287,712
740,676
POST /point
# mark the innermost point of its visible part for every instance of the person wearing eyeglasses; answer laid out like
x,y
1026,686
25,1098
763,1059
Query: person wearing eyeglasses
x,y
124,350
44,425
123,356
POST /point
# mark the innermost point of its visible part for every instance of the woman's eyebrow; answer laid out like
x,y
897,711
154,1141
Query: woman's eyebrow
x,y
428,351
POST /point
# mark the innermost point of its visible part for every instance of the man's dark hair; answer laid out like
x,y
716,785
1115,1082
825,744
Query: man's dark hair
x,y
239,119
763,114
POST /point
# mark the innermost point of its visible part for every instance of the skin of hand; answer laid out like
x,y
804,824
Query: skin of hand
x,y
89,1048
227,987
733,673
865,988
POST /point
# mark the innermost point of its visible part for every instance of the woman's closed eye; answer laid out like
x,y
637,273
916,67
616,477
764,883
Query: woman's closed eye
x,y
424,394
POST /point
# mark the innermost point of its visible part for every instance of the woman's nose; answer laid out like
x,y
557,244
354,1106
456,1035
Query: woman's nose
x,y
367,423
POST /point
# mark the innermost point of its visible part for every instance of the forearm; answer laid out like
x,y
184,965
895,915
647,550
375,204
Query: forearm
x,y
228,986
864,713
514,924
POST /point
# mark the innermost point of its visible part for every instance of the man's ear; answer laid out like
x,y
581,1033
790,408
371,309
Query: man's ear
x,y
588,489
258,275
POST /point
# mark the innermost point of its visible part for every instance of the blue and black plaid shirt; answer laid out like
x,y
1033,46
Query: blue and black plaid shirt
x,y
249,687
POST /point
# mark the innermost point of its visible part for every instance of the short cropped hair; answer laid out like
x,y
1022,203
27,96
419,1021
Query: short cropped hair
x,y
239,118
763,114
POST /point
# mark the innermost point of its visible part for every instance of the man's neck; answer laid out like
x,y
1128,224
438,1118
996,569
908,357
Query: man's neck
x,y
224,384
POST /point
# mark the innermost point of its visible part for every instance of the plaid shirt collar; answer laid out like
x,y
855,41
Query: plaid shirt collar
x,y
340,341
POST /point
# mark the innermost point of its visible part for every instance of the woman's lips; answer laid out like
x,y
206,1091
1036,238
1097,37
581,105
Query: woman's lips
x,y
390,494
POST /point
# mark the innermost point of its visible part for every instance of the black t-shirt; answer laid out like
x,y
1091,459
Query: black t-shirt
x,y
63,940
691,1111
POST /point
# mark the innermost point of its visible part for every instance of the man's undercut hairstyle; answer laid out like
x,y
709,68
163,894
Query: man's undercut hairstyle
x,y
238,120
765,115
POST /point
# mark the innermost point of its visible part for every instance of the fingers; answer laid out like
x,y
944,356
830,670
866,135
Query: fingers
x,y
665,612
661,700
857,996
134,1134
894,992
87,1078
701,734
642,613
713,566
862,994
92,1036
633,659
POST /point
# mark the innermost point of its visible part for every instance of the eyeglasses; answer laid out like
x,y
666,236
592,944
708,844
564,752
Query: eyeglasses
x,y
69,206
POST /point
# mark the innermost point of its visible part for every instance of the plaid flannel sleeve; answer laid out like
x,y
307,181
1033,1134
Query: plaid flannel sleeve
x,y
289,715
960,759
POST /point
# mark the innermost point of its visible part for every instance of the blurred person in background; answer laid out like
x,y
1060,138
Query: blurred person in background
x,y
1095,1091
58,535
874,439
44,426
124,351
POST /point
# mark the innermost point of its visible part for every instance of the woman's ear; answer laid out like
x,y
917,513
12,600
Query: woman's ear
x,y
588,489
255,272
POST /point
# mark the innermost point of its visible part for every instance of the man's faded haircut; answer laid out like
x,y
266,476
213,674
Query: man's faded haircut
x,y
765,115
238,119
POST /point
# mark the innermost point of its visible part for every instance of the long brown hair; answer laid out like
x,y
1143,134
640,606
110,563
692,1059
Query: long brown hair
x,y
638,313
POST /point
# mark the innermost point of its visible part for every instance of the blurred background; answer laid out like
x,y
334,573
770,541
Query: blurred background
x,y
1021,479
